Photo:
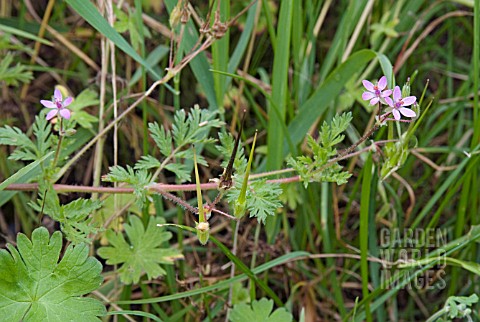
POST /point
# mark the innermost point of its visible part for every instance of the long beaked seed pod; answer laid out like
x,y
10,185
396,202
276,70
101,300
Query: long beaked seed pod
x,y
240,204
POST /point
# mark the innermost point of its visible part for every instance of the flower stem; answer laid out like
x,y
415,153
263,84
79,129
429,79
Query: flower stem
x,y
60,139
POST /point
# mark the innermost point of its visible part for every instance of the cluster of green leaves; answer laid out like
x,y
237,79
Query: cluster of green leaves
x,y
74,217
173,146
460,306
13,75
262,198
27,149
143,254
321,167
36,287
128,23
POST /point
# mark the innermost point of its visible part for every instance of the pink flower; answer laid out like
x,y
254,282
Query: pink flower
x,y
58,105
398,104
376,92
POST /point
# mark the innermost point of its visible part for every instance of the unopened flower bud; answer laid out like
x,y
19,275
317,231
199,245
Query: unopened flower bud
x,y
203,232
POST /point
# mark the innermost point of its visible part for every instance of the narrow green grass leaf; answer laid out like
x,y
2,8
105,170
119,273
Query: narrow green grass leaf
x,y
471,161
280,90
137,313
24,171
24,34
244,268
317,104
387,67
397,282
220,51
223,285
343,31
90,13
325,216
364,231
243,41
200,64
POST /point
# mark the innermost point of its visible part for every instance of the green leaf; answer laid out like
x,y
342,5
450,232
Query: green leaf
x,y
42,130
180,170
24,34
147,162
321,168
326,93
259,311
278,105
74,217
13,75
88,12
262,198
86,98
36,287
194,129
138,179
15,137
162,138
143,254
23,172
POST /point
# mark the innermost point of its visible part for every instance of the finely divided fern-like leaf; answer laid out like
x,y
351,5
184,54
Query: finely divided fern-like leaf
x,y
42,130
318,168
143,254
74,217
27,150
36,287
181,171
330,133
173,145
263,199
13,75
162,138
194,128
137,178
147,162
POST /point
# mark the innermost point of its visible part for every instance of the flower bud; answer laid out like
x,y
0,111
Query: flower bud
x,y
240,209
203,232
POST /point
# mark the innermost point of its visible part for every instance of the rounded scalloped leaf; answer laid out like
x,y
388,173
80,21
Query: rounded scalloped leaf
x,y
259,311
36,287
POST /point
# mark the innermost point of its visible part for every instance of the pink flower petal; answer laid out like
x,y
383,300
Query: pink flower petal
x,y
67,101
409,100
368,85
48,104
397,94
368,95
374,101
389,101
65,113
396,114
407,112
386,93
382,83
51,114
58,95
